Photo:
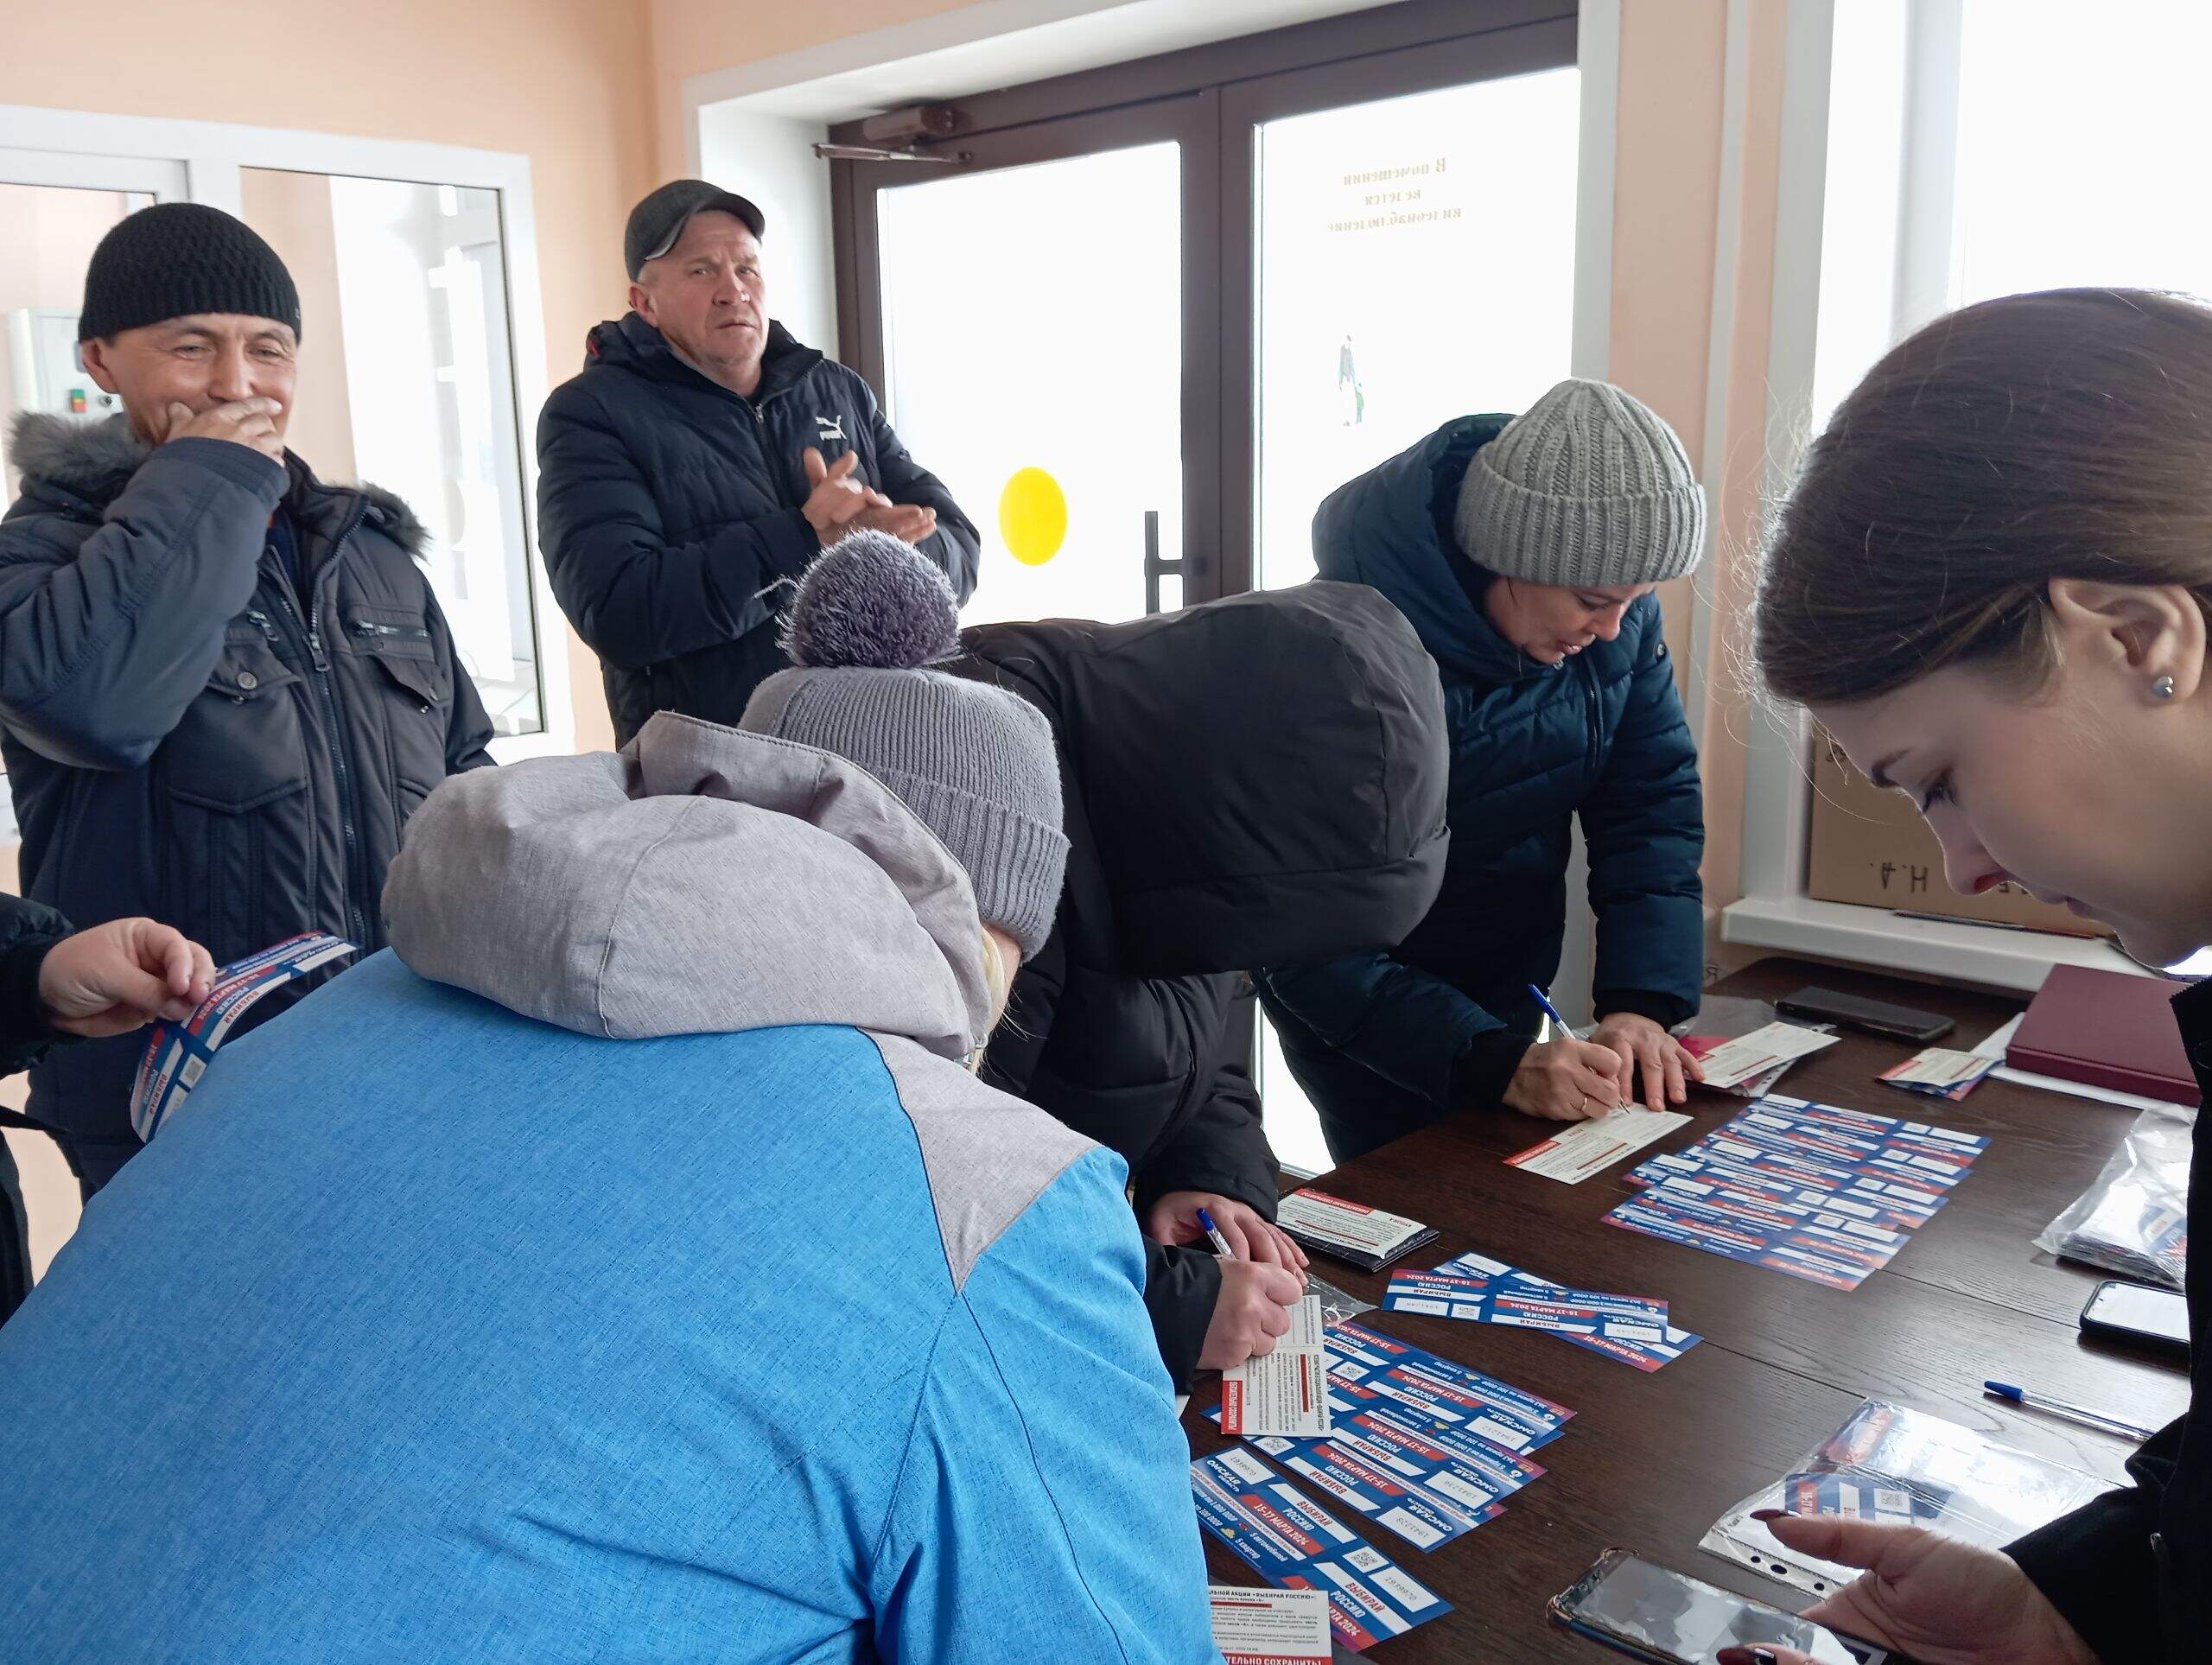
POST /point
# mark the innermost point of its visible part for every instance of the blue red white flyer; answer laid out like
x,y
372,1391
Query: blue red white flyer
x,y
1496,1300
1294,1544
1857,1497
1825,1194
1286,1391
1573,1154
1939,1072
177,1054
1366,1237
1270,1627
1631,1330
1434,1396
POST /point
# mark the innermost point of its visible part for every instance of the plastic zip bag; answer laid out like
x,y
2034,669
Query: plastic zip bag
x,y
1889,1463
2134,1220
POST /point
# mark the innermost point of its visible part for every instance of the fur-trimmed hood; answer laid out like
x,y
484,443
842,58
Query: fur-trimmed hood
x,y
91,461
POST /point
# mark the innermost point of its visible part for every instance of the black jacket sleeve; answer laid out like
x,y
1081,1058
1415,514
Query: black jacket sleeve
x,y
1223,1150
1413,1029
954,545
1645,826
27,932
2097,1566
101,649
1181,1289
634,597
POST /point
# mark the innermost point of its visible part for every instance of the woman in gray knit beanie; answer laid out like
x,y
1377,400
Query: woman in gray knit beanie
x,y
1524,551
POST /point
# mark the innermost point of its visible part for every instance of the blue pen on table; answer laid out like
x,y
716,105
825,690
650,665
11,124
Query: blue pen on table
x,y
1220,1244
1550,1011
2072,1413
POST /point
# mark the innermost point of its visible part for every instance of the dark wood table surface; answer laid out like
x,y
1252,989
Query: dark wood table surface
x,y
1650,1461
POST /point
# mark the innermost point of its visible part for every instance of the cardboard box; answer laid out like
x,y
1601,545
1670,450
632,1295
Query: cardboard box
x,y
1871,847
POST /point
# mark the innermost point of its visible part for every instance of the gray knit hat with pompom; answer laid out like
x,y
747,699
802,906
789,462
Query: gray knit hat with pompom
x,y
975,764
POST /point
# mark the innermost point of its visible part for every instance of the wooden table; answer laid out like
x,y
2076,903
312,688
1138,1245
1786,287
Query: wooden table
x,y
1650,1461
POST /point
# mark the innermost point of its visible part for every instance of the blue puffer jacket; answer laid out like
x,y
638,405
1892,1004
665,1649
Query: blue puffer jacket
x,y
1445,1018
669,508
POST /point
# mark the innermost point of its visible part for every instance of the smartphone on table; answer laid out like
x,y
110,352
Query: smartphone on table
x,y
2139,1313
1654,1613
1874,1017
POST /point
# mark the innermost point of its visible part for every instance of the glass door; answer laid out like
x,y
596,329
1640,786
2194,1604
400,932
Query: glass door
x,y
1404,277
1031,353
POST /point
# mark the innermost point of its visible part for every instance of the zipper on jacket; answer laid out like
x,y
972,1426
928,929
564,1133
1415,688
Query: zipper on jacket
x,y
1590,705
357,926
373,631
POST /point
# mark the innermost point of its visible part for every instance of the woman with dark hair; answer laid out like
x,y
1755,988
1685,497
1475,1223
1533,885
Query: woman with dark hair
x,y
1991,586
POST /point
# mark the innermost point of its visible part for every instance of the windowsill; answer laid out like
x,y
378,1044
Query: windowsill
x,y
1955,949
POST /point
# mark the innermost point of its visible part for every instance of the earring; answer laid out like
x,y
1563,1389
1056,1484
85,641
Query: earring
x,y
2163,687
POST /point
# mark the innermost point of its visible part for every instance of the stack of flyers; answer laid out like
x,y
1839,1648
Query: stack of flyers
x,y
1763,1052
1295,1545
1286,1391
177,1054
1367,1237
1270,1627
1562,1312
1645,1356
1429,1489
1857,1497
1433,1396
1940,1072
1825,1194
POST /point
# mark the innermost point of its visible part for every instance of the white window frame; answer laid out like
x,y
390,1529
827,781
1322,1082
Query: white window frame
x,y
201,162
1774,910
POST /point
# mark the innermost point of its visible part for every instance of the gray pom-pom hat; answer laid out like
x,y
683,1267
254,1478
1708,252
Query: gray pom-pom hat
x,y
975,764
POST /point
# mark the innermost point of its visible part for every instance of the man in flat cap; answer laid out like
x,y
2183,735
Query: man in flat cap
x,y
704,456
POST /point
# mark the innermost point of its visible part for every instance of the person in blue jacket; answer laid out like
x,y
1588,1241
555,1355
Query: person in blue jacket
x,y
629,1264
1524,551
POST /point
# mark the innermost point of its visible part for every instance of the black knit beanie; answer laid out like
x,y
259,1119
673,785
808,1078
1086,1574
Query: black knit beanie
x,y
177,258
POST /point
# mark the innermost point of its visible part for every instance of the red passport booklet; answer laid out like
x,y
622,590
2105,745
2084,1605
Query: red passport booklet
x,y
2108,1029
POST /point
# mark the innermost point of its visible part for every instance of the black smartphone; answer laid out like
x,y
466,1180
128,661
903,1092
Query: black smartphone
x,y
1665,1617
1875,1017
2139,1313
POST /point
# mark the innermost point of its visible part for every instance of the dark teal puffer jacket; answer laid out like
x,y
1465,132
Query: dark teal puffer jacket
x,y
1445,1016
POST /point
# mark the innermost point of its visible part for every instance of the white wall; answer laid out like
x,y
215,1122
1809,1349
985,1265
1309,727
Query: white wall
x,y
771,159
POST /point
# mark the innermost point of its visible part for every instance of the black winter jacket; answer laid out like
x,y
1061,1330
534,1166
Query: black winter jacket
x,y
27,931
2131,1570
669,507
1258,778
187,739
1442,1023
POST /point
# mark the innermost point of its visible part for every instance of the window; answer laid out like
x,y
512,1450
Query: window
x,y
422,343
407,381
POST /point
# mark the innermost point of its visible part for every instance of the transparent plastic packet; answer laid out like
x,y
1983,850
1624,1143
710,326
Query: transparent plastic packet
x,y
1726,1017
2134,1219
1944,1477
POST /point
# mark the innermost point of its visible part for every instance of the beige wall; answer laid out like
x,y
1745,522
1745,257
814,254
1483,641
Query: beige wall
x,y
565,82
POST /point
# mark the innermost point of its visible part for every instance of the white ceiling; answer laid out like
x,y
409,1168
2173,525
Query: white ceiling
x,y
992,43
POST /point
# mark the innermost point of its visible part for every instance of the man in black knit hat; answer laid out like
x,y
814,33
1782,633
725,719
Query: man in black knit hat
x,y
224,685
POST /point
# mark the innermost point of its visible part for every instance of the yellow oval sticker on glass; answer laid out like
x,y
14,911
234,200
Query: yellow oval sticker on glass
x,y
1033,517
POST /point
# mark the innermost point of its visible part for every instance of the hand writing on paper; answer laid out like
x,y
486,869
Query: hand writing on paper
x,y
112,978
1251,1312
1667,1064
1567,1080
1939,1600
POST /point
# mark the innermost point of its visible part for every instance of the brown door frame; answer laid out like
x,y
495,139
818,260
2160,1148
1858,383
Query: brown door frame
x,y
1210,99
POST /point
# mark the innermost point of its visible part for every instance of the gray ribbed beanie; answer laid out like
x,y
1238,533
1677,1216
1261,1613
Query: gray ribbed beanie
x,y
1588,486
974,763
